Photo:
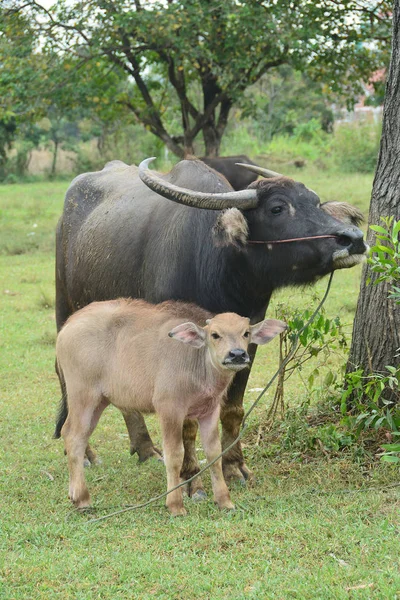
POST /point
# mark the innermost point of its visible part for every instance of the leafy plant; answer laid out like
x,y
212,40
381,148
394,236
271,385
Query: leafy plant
x,y
355,147
391,451
366,391
316,339
385,263
385,259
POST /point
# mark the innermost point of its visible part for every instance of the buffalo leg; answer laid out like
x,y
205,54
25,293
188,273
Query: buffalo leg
x,y
190,463
232,412
139,436
212,447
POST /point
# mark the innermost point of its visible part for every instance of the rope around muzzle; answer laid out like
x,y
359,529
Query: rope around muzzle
x,y
300,239
244,425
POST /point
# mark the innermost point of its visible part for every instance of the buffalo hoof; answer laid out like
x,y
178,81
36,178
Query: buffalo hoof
x,y
151,452
199,496
194,489
93,460
237,474
247,474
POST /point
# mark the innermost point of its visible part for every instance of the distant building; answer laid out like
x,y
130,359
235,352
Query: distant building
x,y
362,111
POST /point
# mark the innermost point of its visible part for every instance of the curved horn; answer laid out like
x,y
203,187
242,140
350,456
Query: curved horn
x,y
260,170
244,199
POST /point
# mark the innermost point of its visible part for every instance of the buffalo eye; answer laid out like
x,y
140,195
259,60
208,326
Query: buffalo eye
x,y
247,334
276,210
215,336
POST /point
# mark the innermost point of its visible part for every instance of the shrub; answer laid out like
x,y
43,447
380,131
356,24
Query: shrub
x,y
355,147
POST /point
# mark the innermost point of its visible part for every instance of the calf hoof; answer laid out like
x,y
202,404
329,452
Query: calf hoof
x,y
226,505
80,501
176,511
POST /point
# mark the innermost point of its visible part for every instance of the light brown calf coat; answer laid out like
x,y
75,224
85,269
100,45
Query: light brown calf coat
x,y
125,353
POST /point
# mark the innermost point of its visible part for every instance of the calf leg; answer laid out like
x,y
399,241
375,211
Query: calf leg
x,y
171,427
212,448
76,432
139,436
190,463
89,454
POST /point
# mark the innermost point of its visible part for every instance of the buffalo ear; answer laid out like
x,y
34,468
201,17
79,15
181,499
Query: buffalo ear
x,y
265,331
231,229
189,333
344,212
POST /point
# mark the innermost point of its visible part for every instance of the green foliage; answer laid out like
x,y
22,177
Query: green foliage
x,y
316,339
368,391
370,410
355,147
287,149
385,259
391,451
7,134
310,131
189,67
320,337
284,98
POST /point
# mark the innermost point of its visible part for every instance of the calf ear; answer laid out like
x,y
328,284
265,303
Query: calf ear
x,y
344,212
189,333
231,229
265,331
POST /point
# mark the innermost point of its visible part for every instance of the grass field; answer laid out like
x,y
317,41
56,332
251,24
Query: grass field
x,y
326,527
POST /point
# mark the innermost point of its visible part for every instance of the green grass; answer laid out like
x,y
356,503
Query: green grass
x,y
325,528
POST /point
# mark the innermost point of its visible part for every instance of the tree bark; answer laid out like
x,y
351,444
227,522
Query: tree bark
x,y
54,161
376,330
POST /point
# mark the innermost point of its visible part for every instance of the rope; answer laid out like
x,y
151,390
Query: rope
x,y
301,239
244,423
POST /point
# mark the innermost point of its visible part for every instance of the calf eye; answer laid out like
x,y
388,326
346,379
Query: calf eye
x,y
276,210
215,336
246,335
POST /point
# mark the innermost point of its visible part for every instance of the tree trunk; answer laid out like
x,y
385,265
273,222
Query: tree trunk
x,y
376,330
212,141
55,153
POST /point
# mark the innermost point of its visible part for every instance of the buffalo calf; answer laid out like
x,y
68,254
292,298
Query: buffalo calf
x,y
125,352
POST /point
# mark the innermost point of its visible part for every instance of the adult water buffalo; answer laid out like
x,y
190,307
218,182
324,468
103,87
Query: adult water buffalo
x,y
186,235
239,178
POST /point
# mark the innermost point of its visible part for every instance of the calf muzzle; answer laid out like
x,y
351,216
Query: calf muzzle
x,y
237,356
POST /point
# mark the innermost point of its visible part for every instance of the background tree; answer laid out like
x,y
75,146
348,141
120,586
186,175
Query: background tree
x,y
203,53
282,99
376,331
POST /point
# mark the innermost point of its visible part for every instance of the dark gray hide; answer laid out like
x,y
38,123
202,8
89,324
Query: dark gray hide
x,y
238,177
118,238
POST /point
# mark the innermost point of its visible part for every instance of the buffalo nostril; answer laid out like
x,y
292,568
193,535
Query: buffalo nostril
x,y
344,241
353,239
